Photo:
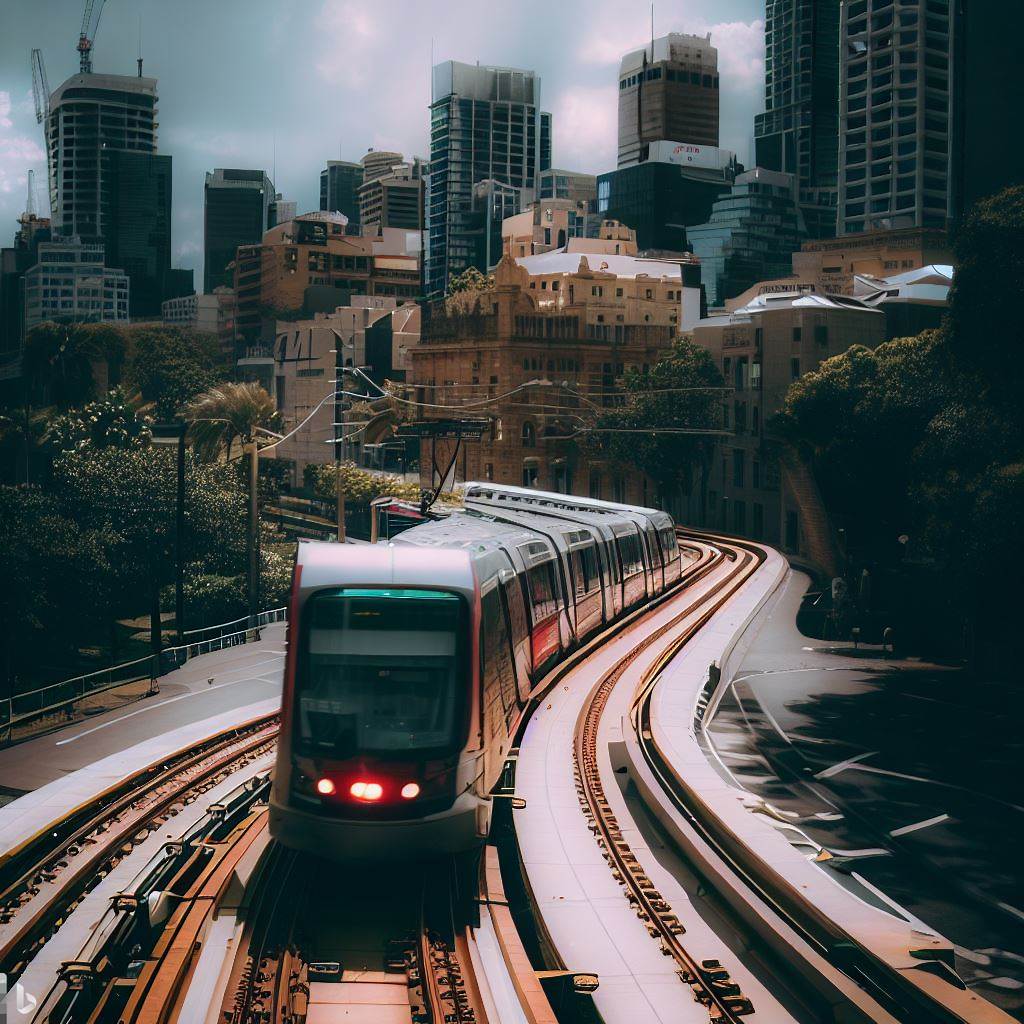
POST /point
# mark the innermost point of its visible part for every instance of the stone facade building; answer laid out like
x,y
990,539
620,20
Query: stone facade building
x,y
761,349
574,324
310,265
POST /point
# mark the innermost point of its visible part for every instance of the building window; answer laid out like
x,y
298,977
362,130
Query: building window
x,y
618,293
529,435
530,474
794,368
489,471
758,527
738,465
796,333
739,516
594,484
821,334
619,490
755,473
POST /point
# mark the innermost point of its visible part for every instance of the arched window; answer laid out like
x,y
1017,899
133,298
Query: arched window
x,y
529,435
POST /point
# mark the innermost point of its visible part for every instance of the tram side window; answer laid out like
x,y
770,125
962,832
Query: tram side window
x,y
669,545
498,669
585,571
542,591
629,552
516,610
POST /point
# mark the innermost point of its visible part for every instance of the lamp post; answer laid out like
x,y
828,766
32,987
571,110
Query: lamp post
x,y
166,434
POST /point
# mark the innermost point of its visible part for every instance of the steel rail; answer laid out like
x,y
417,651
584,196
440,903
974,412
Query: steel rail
x,y
709,981
36,902
890,987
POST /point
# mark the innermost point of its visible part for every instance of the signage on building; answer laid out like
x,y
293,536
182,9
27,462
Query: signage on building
x,y
691,155
785,286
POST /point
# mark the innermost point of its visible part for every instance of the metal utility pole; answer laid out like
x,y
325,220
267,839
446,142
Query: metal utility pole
x,y
179,539
252,533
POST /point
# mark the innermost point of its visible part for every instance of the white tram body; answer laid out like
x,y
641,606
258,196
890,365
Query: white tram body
x,y
410,664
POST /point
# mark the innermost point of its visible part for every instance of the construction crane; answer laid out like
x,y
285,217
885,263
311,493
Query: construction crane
x,y
30,202
41,94
40,87
90,23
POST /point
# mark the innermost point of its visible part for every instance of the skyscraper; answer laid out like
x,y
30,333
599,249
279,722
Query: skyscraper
x,y
896,111
988,157
236,212
751,235
109,186
798,131
668,91
339,189
485,125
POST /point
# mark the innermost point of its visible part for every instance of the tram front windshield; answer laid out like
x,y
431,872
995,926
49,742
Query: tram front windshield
x,y
380,672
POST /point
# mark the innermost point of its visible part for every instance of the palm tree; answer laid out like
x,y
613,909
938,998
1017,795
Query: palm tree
x,y
218,417
229,412
25,430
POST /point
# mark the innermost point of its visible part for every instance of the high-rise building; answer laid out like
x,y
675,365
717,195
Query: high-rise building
x,y
392,197
281,209
379,163
109,186
486,125
71,282
339,189
751,235
668,91
673,187
136,217
236,212
896,98
798,133
556,183
90,117
987,157
13,264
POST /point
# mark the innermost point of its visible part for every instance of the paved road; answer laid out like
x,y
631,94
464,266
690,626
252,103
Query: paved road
x,y
240,676
909,772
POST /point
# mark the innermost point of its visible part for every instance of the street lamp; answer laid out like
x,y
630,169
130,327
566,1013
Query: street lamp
x,y
167,434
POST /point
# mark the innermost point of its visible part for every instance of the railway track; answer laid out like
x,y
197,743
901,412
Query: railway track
x,y
316,940
47,877
708,980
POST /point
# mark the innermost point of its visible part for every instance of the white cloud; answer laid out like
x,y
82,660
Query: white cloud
x,y
18,152
585,126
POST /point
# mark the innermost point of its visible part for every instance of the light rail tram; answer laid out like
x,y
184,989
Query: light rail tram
x,y
410,663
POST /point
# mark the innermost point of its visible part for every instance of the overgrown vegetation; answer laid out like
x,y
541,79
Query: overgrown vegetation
x,y
919,445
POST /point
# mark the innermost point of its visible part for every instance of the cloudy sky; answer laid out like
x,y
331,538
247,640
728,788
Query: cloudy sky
x,y
289,84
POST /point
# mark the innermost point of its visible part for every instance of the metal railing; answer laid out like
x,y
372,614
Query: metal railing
x,y
55,697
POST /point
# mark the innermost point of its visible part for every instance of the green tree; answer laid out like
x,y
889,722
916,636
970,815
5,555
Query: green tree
x,y
228,412
987,331
22,433
862,416
62,362
170,366
130,496
55,576
667,423
470,280
112,421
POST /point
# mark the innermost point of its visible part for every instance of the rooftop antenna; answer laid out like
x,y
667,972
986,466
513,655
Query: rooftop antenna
x,y
652,32
138,60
